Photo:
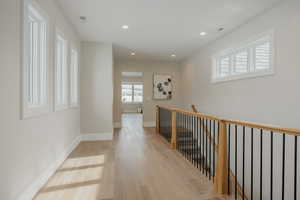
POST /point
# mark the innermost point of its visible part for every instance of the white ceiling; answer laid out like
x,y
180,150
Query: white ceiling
x,y
159,28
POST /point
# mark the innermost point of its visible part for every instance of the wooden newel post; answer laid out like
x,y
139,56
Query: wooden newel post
x,y
221,183
157,120
174,131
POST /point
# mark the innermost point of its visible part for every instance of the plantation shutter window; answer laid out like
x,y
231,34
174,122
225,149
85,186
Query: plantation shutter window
x,y
263,56
252,59
35,73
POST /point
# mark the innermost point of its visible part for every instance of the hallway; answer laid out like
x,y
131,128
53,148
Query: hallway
x,y
137,165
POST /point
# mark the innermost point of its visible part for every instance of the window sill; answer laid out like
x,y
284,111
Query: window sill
x,y
61,107
243,76
74,106
132,103
35,112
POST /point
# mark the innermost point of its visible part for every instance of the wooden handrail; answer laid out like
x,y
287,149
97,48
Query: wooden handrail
x,y
275,129
221,183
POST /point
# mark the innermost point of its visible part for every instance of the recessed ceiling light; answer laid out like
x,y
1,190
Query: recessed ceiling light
x,y
203,33
82,18
133,53
173,55
125,27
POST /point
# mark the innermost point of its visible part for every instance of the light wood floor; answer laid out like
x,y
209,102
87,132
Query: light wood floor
x,y
137,165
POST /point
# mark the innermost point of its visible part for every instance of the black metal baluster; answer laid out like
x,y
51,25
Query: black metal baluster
x,y
202,135
210,149
180,136
191,139
194,138
188,138
243,185
283,165
228,178
251,163
261,162
218,132
197,138
214,142
295,169
200,144
206,150
235,161
184,136
195,147
271,175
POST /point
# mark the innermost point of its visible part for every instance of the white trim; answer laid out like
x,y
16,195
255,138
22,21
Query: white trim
x,y
60,35
96,136
117,125
72,104
244,76
149,124
33,189
27,111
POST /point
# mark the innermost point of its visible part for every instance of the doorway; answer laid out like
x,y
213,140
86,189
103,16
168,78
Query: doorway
x,y
132,96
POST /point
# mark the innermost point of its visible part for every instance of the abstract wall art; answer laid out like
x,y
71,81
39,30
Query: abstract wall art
x,y
162,86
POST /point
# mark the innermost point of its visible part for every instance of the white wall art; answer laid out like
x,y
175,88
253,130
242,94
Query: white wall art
x,y
162,86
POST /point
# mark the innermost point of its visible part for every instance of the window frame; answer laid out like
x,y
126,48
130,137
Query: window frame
x,y
28,110
249,46
132,96
74,104
64,105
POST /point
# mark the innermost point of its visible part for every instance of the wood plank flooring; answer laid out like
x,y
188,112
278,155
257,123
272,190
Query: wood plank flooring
x,y
136,165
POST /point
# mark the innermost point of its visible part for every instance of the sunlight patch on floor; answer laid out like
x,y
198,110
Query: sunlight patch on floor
x,y
83,161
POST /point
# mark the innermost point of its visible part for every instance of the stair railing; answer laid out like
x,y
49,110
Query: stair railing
x,y
228,151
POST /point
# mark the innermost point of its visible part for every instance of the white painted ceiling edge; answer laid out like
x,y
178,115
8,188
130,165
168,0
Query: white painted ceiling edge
x,y
160,28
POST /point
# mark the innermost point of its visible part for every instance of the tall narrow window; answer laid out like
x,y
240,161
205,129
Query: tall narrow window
x,y
61,73
74,72
35,73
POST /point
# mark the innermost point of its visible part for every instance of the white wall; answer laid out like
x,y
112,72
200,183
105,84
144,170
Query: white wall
x,y
28,147
96,88
148,68
268,100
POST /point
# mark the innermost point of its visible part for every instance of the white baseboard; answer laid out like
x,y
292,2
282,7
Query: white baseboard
x,y
96,136
149,124
33,189
117,125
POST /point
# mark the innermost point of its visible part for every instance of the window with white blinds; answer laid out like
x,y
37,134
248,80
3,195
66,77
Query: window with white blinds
x,y
253,59
35,73
241,62
262,55
74,76
61,73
